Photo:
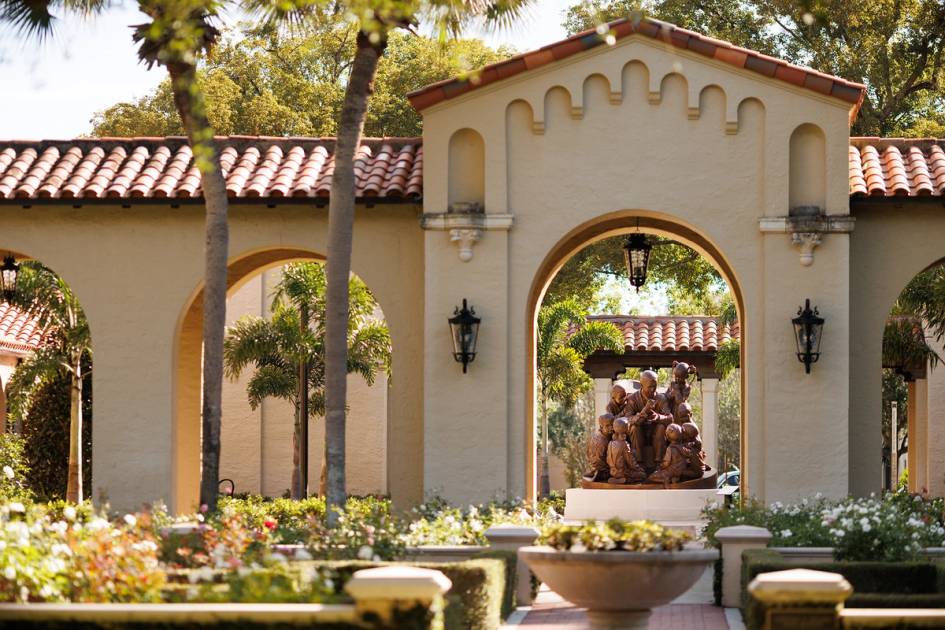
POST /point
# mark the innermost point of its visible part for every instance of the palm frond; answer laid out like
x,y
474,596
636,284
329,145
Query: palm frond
x,y
594,336
271,382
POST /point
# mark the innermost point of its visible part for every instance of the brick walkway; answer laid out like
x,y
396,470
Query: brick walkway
x,y
551,612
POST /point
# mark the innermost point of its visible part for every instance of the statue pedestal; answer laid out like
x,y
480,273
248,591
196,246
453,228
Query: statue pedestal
x,y
679,508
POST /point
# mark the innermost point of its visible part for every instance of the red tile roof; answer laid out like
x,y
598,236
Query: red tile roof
x,y
897,167
19,333
667,333
679,37
158,168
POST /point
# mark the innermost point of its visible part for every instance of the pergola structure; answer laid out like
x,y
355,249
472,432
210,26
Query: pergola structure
x,y
658,341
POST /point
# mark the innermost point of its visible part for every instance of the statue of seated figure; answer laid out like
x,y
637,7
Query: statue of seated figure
x,y
696,465
620,460
675,459
597,449
648,414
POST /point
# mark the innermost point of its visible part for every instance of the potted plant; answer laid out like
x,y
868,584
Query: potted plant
x,y
619,571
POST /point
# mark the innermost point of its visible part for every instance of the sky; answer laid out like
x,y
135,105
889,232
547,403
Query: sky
x,y
51,91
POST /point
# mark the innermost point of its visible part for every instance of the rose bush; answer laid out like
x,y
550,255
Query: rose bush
x,y
896,526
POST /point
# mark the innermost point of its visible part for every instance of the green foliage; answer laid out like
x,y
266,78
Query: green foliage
x,y
47,560
437,524
730,421
14,470
893,528
569,431
276,346
46,435
897,49
261,80
728,357
614,535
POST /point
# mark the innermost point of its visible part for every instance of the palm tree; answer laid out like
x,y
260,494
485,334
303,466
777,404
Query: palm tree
x,y
279,346
375,20
565,339
179,31
67,346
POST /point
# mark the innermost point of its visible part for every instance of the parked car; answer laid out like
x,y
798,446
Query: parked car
x,y
730,478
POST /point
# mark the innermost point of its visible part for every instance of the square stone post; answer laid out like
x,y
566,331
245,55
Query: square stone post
x,y
800,598
936,423
710,421
734,541
511,538
602,388
385,593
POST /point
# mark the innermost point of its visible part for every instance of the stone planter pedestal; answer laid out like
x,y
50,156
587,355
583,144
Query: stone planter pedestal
x,y
619,588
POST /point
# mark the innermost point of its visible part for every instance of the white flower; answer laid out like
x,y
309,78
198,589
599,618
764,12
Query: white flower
x,y
98,524
278,557
786,533
130,520
578,547
365,552
17,507
303,554
8,472
9,573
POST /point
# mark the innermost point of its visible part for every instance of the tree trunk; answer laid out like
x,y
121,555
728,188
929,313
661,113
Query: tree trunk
x,y
74,491
296,484
338,264
190,106
303,407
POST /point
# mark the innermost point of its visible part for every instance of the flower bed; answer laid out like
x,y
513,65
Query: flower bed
x,y
895,527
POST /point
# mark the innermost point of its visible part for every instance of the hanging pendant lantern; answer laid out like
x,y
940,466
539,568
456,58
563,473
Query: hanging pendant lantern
x,y
8,275
636,253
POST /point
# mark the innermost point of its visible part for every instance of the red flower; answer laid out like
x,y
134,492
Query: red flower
x,y
269,524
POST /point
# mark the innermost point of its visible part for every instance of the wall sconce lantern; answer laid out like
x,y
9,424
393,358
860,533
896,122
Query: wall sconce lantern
x,y
464,326
8,274
808,326
636,253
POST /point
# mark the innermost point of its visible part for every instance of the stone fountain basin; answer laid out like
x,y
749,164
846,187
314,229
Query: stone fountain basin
x,y
618,580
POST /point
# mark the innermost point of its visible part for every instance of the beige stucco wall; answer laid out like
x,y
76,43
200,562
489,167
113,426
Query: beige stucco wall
x,y
256,445
136,270
890,245
644,130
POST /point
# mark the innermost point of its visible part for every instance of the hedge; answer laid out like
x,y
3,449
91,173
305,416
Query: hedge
x,y
875,584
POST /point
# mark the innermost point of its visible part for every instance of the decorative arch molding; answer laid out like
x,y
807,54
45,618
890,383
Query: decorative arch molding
x,y
608,225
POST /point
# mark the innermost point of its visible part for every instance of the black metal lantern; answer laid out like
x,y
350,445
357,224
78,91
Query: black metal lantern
x,y
808,329
8,274
636,253
464,326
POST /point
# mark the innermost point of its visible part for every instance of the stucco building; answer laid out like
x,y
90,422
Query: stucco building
x,y
744,158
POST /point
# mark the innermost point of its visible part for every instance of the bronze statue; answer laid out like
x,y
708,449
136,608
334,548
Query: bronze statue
x,y
648,414
683,414
675,459
623,465
691,441
597,449
679,389
618,398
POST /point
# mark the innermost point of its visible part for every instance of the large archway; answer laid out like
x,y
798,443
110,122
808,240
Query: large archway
x,y
187,376
614,224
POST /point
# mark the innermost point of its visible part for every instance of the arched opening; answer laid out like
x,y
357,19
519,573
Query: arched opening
x,y
604,227
45,381
258,431
913,385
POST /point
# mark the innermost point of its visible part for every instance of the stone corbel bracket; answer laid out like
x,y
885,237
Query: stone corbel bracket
x,y
465,226
807,231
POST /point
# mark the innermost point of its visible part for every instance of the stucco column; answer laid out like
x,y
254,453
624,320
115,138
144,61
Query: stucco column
x,y
918,434
710,421
602,387
935,448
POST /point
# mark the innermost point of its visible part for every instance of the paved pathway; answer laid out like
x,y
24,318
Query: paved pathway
x,y
550,612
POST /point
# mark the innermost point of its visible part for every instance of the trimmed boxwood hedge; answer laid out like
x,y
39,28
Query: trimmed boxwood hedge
x,y
875,584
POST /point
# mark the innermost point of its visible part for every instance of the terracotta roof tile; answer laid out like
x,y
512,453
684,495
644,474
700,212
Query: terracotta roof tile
x,y
897,167
19,332
681,38
666,333
156,168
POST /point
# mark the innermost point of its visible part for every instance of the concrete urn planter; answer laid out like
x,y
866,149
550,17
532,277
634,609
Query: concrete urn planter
x,y
618,588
